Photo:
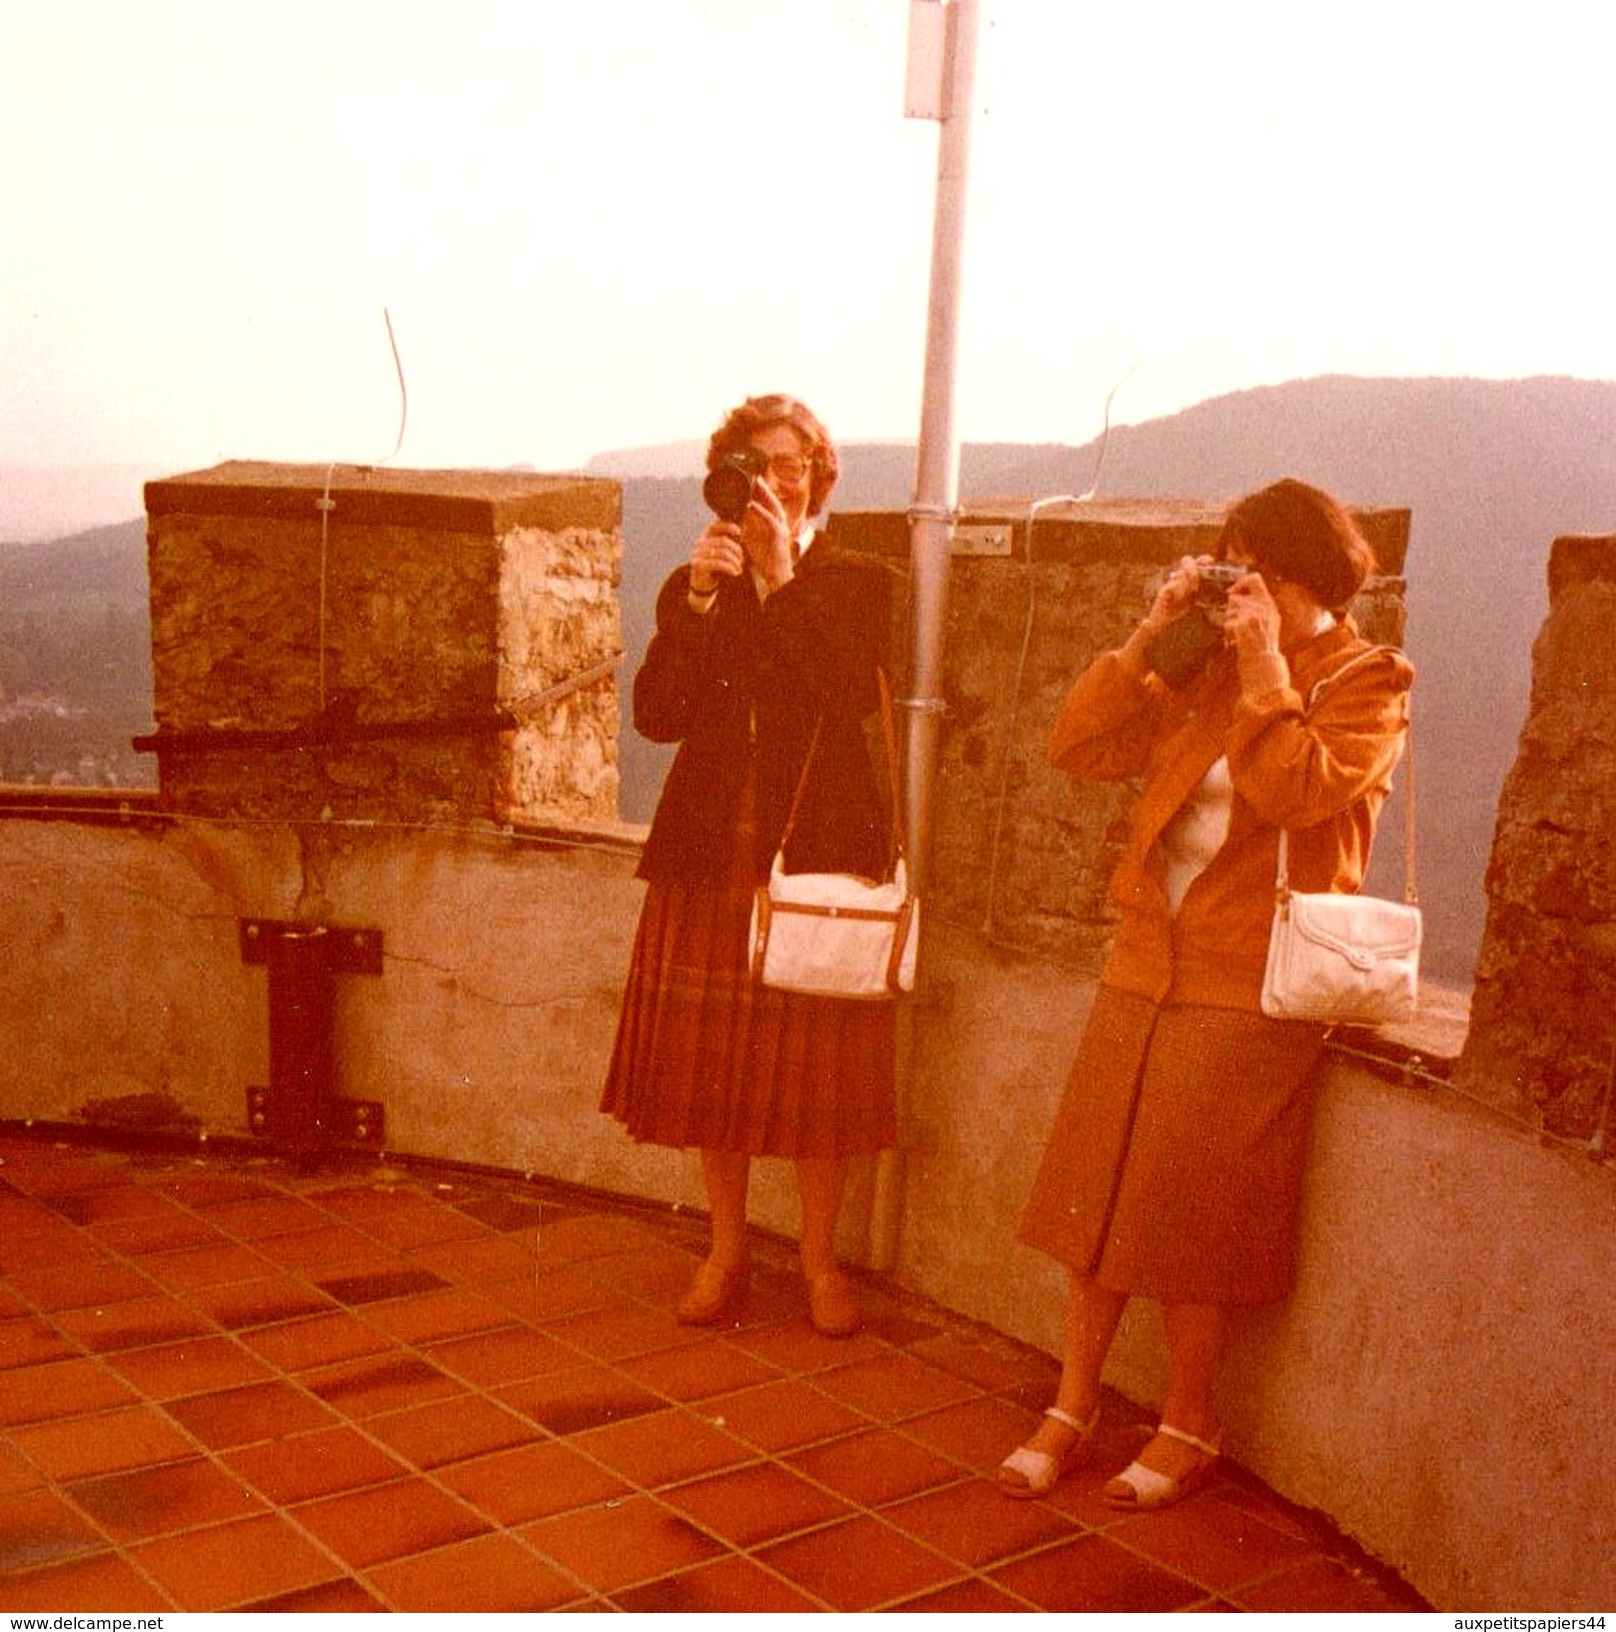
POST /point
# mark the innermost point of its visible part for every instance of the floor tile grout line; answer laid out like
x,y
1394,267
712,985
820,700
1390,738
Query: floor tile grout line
x,y
1080,1529
657,1492
212,1455
128,1550
874,1511
1110,1534
403,1248
653,1493
591,1358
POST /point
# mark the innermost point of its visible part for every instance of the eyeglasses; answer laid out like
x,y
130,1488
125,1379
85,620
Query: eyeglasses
x,y
789,467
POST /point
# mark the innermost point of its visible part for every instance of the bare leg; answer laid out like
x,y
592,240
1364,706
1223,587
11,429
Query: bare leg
x,y
1092,1313
726,1173
820,1182
720,1283
1091,1316
1194,1345
832,1304
1195,1334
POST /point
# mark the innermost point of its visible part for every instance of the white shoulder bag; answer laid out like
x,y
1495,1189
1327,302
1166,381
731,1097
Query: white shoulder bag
x,y
836,934
1346,959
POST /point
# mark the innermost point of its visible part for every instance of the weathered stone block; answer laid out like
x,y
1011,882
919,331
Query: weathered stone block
x,y
385,644
1543,1014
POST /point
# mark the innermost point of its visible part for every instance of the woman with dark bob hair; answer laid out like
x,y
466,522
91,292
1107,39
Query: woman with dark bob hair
x,y
1174,1167
765,637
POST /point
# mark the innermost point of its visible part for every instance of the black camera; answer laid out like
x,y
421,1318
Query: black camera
x,y
1180,651
728,488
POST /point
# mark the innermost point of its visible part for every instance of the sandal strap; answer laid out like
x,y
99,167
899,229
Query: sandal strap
x,y
1071,1422
1201,1445
1038,1468
1150,1489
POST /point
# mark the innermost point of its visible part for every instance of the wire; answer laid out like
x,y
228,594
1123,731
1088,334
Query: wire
x,y
1033,511
326,504
1408,1070
1003,800
403,390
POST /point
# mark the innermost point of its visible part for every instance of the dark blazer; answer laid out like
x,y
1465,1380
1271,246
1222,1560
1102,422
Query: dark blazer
x,y
756,676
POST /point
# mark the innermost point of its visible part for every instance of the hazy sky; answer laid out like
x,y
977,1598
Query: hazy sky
x,y
599,223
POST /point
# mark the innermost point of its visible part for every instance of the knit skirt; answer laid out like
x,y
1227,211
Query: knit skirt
x,y
707,1058
1174,1168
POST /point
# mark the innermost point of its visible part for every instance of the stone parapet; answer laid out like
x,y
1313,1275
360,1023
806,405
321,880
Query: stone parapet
x,y
376,644
1543,1014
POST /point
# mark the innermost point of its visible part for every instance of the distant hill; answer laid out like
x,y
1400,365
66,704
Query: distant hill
x,y
75,659
1493,472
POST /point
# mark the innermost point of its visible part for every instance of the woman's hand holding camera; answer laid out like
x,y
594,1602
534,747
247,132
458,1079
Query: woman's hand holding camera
x,y
766,533
718,553
1251,618
1175,594
724,549
1177,590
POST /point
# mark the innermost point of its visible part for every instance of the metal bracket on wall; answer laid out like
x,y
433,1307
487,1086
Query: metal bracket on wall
x,y
299,1112
347,1121
348,951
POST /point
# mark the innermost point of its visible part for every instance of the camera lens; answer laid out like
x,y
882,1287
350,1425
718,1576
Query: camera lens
x,y
728,488
727,492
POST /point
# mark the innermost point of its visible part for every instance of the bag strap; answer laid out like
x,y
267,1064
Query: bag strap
x,y
1411,891
890,730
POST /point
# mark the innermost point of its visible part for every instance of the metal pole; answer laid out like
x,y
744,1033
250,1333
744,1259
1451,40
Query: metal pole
x,y
931,522
931,517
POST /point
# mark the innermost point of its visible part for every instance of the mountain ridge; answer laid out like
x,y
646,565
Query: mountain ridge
x,y
1493,472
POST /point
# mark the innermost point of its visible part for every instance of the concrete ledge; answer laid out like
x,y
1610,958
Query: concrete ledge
x,y
1442,1383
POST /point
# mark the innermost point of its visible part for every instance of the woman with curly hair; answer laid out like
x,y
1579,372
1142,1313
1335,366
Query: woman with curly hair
x,y
765,637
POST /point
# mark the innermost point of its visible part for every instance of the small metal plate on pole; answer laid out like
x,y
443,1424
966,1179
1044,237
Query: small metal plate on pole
x,y
981,538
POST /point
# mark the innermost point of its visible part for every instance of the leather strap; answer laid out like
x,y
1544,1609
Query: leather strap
x,y
890,729
1411,892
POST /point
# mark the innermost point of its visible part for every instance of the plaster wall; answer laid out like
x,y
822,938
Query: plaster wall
x,y
1440,1381
485,1038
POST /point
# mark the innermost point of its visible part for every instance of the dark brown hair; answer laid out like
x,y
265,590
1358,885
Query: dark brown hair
x,y
1296,532
758,414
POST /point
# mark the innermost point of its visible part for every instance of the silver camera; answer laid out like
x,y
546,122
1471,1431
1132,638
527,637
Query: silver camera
x,y
1216,579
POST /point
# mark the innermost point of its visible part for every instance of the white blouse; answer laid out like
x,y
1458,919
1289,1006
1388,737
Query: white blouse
x,y
1197,831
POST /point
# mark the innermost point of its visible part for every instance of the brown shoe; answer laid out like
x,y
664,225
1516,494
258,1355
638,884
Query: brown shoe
x,y
832,1306
716,1292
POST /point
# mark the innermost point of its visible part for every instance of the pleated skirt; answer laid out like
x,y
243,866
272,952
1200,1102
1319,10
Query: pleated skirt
x,y
1175,1164
707,1058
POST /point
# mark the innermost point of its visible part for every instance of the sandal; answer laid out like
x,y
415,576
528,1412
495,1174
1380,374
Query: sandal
x,y
1026,1472
1140,1489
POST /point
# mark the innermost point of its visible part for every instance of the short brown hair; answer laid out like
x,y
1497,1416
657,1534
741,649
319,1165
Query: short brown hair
x,y
758,414
1297,532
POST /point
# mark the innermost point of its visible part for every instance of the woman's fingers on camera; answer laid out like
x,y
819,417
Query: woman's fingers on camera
x,y
718,550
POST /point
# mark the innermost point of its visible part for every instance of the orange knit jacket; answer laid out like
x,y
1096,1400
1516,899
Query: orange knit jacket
x,y
1322,771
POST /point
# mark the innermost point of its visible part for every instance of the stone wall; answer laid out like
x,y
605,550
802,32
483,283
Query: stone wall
x,y
1021,853
1543,1037
385,645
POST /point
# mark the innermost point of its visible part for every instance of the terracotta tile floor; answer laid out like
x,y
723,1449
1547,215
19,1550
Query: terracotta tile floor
x,y
229,1383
